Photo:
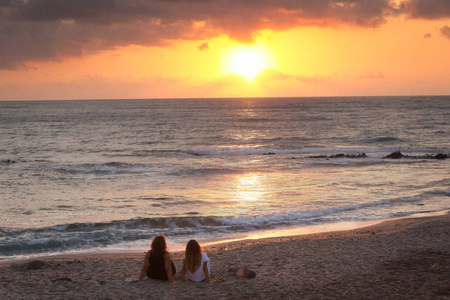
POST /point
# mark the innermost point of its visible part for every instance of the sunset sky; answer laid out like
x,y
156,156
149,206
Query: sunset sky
x,y
120,49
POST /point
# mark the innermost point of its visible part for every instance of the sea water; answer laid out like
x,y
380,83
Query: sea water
x,y
90,175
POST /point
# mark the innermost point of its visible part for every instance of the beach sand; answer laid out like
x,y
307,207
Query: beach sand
x,y
400,259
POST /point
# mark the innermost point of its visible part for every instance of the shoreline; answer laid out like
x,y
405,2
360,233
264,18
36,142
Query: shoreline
x,y
265,236
406,258
316,231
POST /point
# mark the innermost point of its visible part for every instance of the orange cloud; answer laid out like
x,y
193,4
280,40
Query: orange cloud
x,y
54,29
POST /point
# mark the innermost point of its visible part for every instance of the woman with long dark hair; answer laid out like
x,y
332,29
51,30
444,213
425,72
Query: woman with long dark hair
x,y
196,263
157,261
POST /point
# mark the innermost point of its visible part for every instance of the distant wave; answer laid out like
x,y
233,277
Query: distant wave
x,y
377,152
383,139
205,171
441,192
252,151
319,156
103,168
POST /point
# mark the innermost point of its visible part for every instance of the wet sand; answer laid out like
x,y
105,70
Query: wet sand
x,y
399,259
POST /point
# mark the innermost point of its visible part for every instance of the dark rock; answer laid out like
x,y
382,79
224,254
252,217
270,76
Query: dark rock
x,y
440,156
395,155
341,155
250,274
318,156
244,272
8,161
398,155
361,155
35,265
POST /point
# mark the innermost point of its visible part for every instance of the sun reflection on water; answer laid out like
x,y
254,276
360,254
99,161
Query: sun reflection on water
x,y
249,188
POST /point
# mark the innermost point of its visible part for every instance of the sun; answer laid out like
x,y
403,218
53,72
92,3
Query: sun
x,y
246,61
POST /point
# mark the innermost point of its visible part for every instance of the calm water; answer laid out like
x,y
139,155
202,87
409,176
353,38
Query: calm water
x,y
99,174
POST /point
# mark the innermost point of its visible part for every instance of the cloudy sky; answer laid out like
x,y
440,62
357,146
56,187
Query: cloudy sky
x,y
117,49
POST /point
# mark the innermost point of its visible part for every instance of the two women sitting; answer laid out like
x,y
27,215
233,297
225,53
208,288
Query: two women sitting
x,y
158,263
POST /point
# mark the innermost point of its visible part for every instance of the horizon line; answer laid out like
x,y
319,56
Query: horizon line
x,y
225,98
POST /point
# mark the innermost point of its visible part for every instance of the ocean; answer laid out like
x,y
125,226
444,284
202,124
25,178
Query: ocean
x,y
110,175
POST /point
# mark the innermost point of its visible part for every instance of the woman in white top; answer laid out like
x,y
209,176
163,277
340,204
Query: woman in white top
x,y
196,263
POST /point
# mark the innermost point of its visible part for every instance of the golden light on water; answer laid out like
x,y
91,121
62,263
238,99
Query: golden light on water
x,y
242,194
249,188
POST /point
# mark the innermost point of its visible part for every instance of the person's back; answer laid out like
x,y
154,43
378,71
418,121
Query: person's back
x,y
158,268
157,261
199,274
196,264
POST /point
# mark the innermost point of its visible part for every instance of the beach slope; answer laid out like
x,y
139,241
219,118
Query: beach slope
x,y
400,259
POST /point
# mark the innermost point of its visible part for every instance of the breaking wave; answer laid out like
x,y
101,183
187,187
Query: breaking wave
x,y
101,234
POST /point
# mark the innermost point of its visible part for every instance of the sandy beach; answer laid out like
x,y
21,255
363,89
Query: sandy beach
x,y
400,259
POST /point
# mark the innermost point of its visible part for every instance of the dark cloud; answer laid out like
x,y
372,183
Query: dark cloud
x,y
426,9
55,29
445,31
427,35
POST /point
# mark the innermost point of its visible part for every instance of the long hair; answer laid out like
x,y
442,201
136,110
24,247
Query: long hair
x,y
193,256
159,245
